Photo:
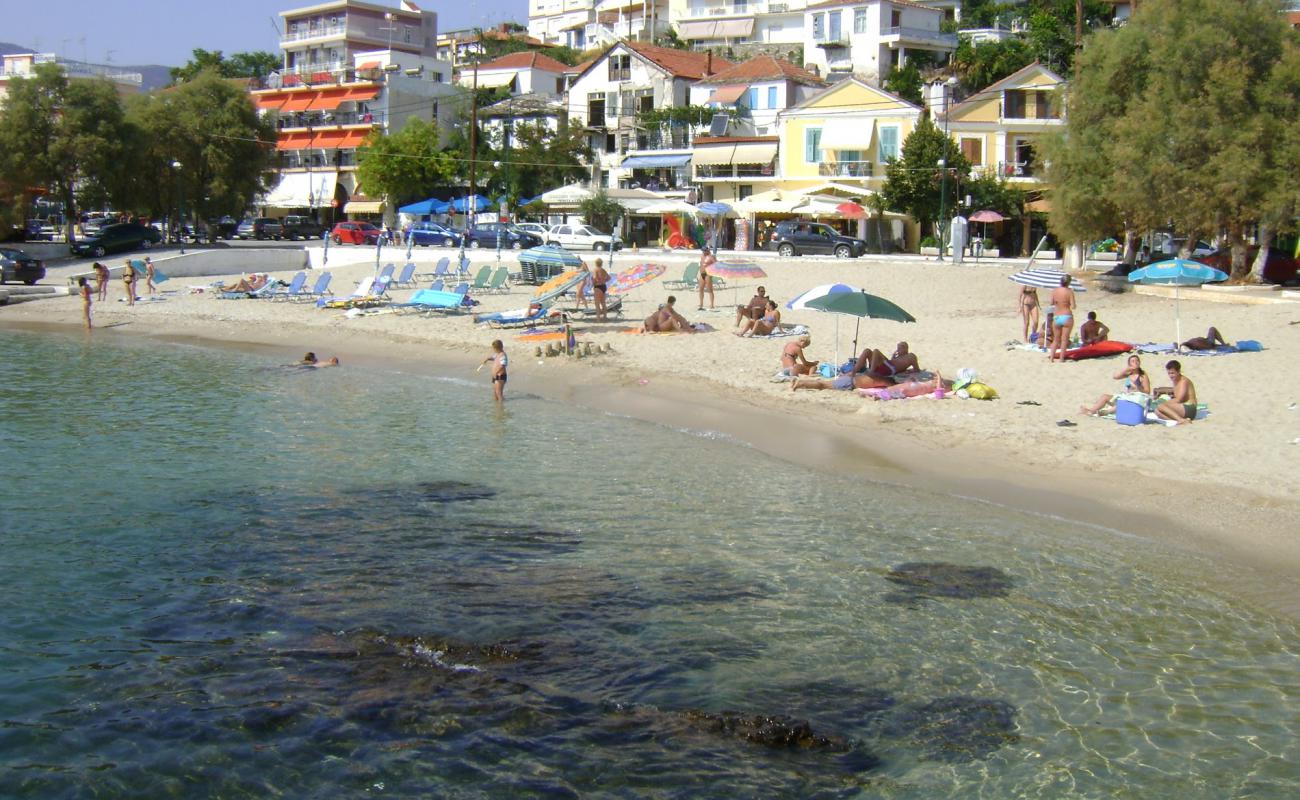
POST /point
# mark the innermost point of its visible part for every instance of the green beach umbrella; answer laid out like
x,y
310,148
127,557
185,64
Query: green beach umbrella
x,y
861,305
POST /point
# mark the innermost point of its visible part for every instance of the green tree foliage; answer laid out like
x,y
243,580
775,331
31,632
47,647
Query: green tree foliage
x,y
601,212
405,165
996,193
1187,114
252,64
905,82
65,136
532,159
915,183
987,63
209,126
1048,37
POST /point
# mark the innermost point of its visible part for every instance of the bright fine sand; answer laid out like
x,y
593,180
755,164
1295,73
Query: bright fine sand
x,y
1225,486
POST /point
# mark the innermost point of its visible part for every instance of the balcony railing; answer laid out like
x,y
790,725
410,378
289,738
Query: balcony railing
x,y
733,171
329,119
831,40
904,32
846,169
320,159
1017,169
735,9
314,32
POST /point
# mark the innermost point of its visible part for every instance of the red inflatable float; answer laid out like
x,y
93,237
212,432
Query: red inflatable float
x,y
1098,350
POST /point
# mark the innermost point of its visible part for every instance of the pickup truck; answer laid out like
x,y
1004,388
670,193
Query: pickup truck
x,y
301,228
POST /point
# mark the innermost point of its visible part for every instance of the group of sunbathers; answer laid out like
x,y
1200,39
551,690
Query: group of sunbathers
x,y
871,370
1180,405
666,320
759,317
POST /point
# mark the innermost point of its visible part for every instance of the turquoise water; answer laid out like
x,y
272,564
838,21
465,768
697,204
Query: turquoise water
x,y
225,579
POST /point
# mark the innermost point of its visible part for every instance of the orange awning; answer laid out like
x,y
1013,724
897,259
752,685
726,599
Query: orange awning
x,y
298,101
328,140
271,101
363,93
369,65
328,100
354,138
726,95
293,141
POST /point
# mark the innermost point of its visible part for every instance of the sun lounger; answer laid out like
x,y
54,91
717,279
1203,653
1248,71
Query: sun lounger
x,y
439,270
519,317
481,280
499,282
293,290
406,277
363,291
690,276
428,300
386,272
319,289
265,290
613,308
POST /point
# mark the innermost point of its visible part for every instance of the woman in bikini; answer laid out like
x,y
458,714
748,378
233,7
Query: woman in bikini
x,y
101,281
793,360
1135,380
1062,319
705,280
599,286
149,275
128,278
1029,310
764,325
83,288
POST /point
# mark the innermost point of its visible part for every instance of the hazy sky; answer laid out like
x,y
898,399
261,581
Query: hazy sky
x,y
165,31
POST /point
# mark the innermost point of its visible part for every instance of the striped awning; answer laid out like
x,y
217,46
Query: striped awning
x,y
298,101
364,207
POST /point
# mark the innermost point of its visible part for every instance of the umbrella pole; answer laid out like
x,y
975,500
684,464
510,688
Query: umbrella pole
x,y
1178,321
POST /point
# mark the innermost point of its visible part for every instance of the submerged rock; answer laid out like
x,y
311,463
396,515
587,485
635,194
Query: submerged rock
x,y
932,579
436,492
777,731
956,729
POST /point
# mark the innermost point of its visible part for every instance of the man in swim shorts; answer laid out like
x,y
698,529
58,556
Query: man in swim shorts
x,y
499,362
1182,408
843,382
1209,341
754,308
1093,331
874,362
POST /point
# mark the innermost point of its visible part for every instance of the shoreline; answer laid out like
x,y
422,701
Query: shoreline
x,y
1250,530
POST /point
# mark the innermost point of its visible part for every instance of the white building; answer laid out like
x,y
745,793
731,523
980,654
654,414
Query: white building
x,y
23,65
501,120
616,91
584,24
868,38
755,92
327,36
525,72
707,23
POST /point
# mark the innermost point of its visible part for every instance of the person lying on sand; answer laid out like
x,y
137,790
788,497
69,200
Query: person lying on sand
x,y
1135,380
1182,408
1209,341
913,388
248,283
844,381
762,326
1093,331
874,362
793,360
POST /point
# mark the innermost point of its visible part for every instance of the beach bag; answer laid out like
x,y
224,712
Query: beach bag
x,y
1249,346
981,391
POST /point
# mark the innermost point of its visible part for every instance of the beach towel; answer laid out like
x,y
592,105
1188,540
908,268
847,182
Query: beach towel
x,y
783,332
1202,412
1221,350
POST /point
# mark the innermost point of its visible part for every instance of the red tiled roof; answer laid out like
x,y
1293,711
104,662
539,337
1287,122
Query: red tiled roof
x,y
837,3
764,68
525,59
578,69
680,63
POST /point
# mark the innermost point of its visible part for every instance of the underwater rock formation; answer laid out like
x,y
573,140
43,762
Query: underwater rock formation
x,y
934,579
956,729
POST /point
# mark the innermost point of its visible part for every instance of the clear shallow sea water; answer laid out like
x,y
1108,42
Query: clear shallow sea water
x,y
224,579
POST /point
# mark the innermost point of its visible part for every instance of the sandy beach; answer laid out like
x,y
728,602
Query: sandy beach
x,y
1224,486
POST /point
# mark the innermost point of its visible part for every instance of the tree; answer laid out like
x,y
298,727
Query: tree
x,y
252,64
405,165
600,212
65,136
905,82
532,158
982,65
916,184
1186,115
211,129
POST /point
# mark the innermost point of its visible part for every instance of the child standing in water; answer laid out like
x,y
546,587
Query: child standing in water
x,y
500,361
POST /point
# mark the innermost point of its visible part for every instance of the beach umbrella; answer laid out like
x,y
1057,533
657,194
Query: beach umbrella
x,y
1044,278
629,279
851,210
736,269
818,292
862,305
541,261
986,216
1177,272
558,285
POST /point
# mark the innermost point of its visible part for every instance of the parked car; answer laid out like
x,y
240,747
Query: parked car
x,y
294,228
96,223
534,227
39,230
581,237
260,228
485,235
115,238
355,233
1280,267
427,233
224,228
796,238
17,266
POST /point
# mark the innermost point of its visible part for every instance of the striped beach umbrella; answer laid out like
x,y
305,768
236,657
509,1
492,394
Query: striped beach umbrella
x,y
736,269
1044,278
551,256
629,279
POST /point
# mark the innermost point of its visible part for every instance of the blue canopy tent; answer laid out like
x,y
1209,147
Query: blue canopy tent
x,y
481,203
426,207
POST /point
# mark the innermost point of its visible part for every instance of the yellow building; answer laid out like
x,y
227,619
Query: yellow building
x,y
998,127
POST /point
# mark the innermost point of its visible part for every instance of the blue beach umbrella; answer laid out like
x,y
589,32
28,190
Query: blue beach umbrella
x,y
1177,272
542,261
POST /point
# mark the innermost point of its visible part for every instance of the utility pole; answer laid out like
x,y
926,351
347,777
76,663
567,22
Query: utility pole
x,y
1078,27
470,202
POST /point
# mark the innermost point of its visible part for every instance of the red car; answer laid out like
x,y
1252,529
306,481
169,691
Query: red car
x,y
1280,267
355,233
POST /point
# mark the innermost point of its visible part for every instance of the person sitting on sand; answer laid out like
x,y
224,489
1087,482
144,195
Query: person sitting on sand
x,y
1182,407
1093,331
1135,380
1209,341
666,320
248,283
764,325
754,308
793,360
875,363
310,360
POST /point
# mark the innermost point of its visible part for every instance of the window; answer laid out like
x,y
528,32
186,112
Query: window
x,y
771,97
624,142
1043,106
741,6
744,190
611,143
834,18
407,34
753,98
859,20
620,68
973,150
1013,104
596,109
819,27
888,144
645,100
896,19
850,155
812,145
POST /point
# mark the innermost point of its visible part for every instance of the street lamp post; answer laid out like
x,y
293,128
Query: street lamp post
x,y
180,203
943,166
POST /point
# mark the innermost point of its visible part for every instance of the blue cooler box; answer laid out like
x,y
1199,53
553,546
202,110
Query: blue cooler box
x,y
1131,409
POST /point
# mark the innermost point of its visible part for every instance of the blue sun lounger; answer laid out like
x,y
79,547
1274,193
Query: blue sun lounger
x,y
426,300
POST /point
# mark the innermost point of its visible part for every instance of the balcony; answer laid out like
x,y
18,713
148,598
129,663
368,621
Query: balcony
x,y
846,169
831,41
329,120
314,32
918,36
1017,169
726,172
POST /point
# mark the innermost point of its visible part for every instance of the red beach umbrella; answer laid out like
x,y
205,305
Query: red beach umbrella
x,y
851,210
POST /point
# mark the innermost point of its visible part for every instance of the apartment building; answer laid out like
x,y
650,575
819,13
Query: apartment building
x,y
868,38
999,127
587,24
324,108
23,65
327,37
521,73
618,92
711,23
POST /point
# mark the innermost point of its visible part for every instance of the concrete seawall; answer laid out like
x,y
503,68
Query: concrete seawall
x,y
199,263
